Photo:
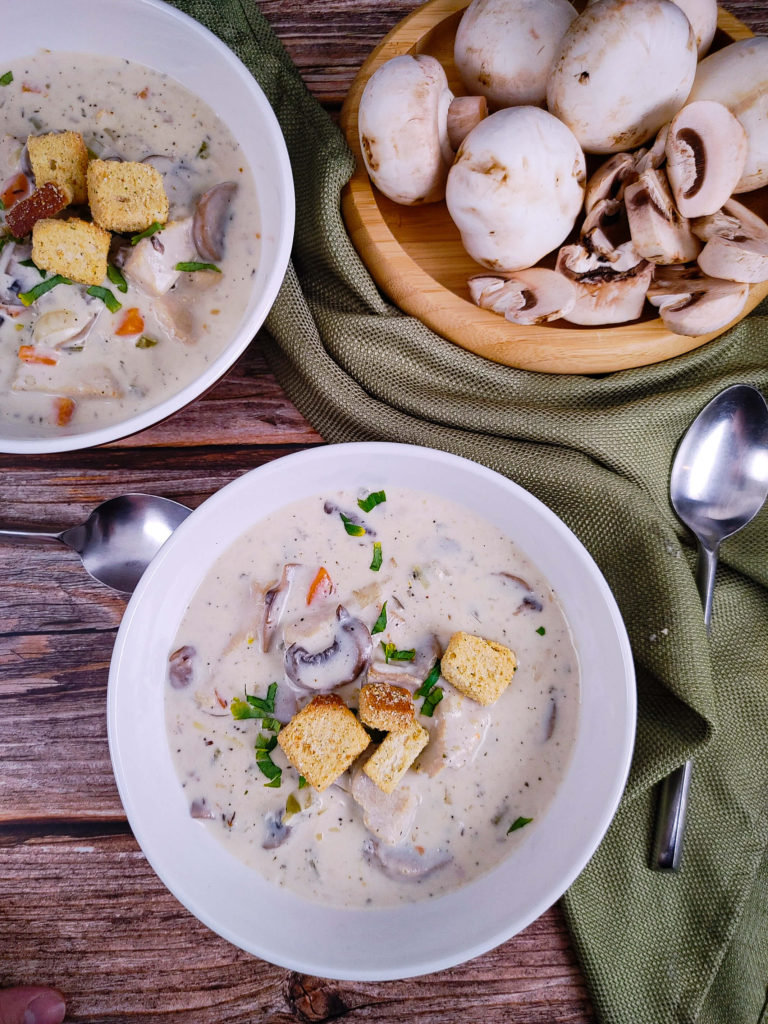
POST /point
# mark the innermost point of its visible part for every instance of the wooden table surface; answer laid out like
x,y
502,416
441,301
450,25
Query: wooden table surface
x,y
80,907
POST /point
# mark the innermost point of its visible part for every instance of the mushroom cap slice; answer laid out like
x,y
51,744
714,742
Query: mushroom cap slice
x,y
607,292
655,156
623,70
734,220
341,662
706,149
533,296
659,233
690,303
737,76
504,49
736,244
605,229
608,181
516,187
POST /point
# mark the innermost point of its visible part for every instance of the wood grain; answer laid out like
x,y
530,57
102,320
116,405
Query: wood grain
x,y
79,905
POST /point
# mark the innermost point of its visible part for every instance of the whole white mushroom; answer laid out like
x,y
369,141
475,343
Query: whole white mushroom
x,y
504,49
702,15
516,187
623,70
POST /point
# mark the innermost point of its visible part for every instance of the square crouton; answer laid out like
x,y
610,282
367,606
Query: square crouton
x,y
387,707
73,247
62,158
479,668
395,755
126,196
323,739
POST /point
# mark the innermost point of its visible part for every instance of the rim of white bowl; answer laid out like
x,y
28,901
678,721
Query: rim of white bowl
x,y
383,965
223,363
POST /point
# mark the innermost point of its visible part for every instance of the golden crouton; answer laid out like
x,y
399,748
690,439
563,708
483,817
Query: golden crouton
x,y
74,248
126,196
62,158
387,707
323,739
395,755
481,669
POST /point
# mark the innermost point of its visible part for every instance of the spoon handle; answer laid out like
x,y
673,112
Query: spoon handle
x,y
29,534
673,792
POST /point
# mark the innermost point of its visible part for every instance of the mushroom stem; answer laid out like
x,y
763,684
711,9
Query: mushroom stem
x,y
464,114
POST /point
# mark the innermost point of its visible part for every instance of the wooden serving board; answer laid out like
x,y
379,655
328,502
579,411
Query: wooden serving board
x,y
414,253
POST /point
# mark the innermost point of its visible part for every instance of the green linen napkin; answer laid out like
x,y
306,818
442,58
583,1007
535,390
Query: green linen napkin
x,y
654,947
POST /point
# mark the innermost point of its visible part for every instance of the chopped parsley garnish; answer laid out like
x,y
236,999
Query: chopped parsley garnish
x,y
292,805
352,528
519,823
302,782
190,268
376,560
106,297
153,228
7,78
541,631
381,623
391,653
145,342
374,498
203,151
256,707
264,747
431,693
116,277
40,289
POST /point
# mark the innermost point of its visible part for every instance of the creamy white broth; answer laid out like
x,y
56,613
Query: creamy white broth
x,y
443,570
124,110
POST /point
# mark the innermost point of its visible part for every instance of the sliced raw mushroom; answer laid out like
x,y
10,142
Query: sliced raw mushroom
x,y
275,830
608,181
409,124
736,244
532,296
607,291
152,263
210,221
200,810
653,158
181,667
404,862
275,600
605,228
342,662
660,233
706,149
690,303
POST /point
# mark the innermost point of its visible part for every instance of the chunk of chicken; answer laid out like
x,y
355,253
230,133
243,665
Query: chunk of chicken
x,y
390,816
151,264
461,726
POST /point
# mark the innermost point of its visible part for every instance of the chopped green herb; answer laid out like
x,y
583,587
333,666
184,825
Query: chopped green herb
x,y
374,498
302,782
272,724
376,560
353,529
431,693
257,707
116,277
431,701
2,205
429,682
40,289
264,746
381,623
190,268
292,805
106,297
7,78
153,228
203,151
519,823
391,653
145,342
541,631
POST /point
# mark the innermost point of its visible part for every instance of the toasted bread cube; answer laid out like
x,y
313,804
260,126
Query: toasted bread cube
x,y
479,668
323,739
126,196
74,248
386,707
62,158
395,755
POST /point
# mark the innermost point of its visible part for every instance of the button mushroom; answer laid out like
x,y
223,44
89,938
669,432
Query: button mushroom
x,y
623,70
516,187
706,149
532,296
410,124
737,76
690,303
504,49
275,599
209,224
659,233
607,291
736,244
346,658
404,862
702,15
181,666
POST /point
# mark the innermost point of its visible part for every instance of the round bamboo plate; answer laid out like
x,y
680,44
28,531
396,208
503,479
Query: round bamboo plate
x,y
414,253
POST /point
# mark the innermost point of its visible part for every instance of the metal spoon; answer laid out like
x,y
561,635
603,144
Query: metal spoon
x,y
719,483
119,538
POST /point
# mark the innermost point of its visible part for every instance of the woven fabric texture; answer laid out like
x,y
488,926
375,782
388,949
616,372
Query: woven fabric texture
x,y
654,947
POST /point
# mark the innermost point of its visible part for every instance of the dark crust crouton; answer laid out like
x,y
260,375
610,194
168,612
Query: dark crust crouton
x,y
322,740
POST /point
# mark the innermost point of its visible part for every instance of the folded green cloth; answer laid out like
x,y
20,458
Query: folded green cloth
x,y
654,947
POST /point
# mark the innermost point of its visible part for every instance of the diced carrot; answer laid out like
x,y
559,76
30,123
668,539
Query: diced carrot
x,y
28,87
29,354
64,408
321,586
220,699
143,94
132,322
16,188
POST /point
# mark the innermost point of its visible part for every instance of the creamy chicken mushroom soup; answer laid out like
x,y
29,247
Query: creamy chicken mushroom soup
x,y
68,359
487,774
